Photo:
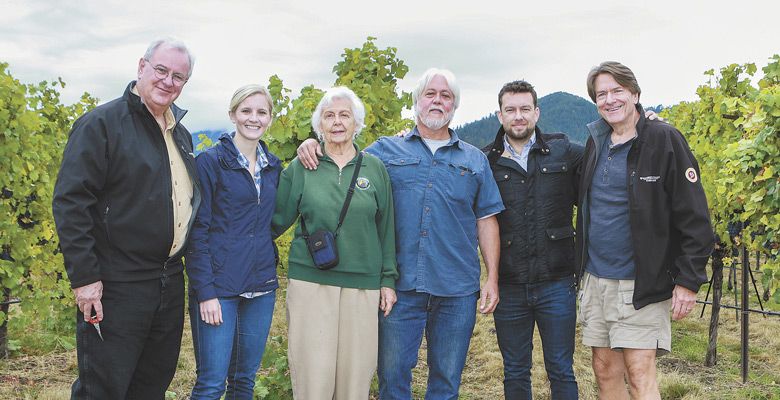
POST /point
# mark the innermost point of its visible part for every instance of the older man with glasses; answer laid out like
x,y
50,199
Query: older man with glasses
x,y
123,204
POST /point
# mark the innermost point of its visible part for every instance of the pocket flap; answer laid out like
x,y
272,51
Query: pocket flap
x,y
560,233
553,168
320,240
404,161
501,176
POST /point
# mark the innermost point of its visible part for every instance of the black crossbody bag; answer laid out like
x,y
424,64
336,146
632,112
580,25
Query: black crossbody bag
x,y
322,243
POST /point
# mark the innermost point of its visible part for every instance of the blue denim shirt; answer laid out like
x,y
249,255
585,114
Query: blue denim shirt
x,y
438,199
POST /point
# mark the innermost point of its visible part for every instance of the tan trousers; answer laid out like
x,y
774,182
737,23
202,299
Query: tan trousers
x,y
332,340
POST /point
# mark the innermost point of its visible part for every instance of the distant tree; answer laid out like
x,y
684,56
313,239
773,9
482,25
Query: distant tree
x,y
370,72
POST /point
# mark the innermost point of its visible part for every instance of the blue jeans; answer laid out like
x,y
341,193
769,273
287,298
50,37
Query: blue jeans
x,y
231,351
552,307
447,322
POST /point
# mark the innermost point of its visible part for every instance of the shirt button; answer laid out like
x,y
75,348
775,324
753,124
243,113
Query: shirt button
x,y
609,158
522,181
506,176
544,169
427,209
430,184
179,224
435,163
425,233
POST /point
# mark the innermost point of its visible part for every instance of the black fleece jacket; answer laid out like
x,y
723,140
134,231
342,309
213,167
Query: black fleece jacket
x,y
671,232
112,200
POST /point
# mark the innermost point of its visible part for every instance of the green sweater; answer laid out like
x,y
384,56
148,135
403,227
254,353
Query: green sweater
x,y
366,240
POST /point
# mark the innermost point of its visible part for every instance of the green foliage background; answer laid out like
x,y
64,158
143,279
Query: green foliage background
x,y
33,131
733,131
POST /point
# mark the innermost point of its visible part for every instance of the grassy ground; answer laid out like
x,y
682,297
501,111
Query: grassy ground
x,y
682,374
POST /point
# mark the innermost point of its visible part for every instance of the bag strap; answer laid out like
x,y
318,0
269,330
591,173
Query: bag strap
x,y
350,191
347,200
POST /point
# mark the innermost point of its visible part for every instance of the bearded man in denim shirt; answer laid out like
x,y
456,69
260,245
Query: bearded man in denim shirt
x,y
445,205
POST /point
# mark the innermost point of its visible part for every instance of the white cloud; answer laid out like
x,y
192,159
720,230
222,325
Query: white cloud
x,y
95,45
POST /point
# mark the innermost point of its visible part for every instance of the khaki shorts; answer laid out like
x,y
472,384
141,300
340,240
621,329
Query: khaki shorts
x,y
608,317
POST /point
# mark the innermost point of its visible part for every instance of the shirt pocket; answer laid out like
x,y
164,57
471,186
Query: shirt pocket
x,y
461,182
403,172
555,173
560,248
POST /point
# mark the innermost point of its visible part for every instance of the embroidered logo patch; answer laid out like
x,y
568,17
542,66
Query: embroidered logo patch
x,y
691,175
362,183
651,178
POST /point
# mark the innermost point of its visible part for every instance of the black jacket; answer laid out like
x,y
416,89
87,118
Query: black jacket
x,y
112,200
537,237
670,225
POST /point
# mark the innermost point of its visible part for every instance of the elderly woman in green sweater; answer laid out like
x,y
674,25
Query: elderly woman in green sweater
x,y
332,314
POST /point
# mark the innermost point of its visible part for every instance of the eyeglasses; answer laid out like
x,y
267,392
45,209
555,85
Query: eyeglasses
x,y
161,72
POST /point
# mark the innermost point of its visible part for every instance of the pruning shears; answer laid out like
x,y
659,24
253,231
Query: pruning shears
x,y
94,321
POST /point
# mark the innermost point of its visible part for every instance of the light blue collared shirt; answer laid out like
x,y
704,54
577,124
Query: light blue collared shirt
x,y
521,158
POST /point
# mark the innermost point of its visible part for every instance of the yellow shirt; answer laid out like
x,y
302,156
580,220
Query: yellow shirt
x,y
181,185
181,195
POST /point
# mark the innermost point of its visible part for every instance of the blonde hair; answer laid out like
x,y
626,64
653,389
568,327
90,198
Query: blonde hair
x,y
245,91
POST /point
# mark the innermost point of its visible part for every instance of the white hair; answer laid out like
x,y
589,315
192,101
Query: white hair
x,y
425,80
173,43
339,92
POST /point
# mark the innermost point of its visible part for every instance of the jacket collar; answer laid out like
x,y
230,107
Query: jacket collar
x,y
138,106
326,157
497,148
228,153
599,130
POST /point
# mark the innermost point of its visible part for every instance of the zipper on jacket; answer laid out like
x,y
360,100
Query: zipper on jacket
x,y
105,220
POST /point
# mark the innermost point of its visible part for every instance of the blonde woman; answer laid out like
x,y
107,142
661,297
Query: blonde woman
x,y
231,261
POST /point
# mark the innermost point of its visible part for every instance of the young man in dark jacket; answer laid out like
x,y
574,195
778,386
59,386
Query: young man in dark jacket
x,y
535,173
644,235
124,201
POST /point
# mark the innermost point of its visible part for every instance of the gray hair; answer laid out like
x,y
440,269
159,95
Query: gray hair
x,y
339,92
426,78
173,43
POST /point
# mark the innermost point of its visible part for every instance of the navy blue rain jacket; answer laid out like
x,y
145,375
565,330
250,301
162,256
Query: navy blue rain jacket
x,y
231,249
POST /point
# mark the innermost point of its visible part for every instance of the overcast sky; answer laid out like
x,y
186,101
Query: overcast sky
x,y
94,46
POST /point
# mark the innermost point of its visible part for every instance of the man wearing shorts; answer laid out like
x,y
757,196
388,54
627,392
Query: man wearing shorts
x,y
644,236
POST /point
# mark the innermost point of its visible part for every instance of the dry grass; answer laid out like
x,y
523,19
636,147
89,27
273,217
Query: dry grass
x,y
681,375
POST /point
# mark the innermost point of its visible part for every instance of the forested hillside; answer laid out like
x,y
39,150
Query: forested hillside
x,y
561,112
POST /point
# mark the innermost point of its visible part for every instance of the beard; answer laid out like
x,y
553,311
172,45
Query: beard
x,y
434,123
523,135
